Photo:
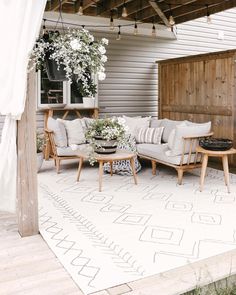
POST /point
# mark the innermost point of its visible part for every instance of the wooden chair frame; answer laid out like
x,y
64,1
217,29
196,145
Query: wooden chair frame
x,y
192,142
53,150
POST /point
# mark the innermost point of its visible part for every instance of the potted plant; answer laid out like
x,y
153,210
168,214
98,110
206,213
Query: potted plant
x,y
105,134
88,93
39,148
75,52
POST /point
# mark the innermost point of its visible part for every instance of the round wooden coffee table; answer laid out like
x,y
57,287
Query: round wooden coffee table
x,y
105,158
221,154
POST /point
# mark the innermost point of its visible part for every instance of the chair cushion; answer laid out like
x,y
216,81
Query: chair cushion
x,y
149,135
158,152
182,131
59,131
68,151
134,123
75,131
168,125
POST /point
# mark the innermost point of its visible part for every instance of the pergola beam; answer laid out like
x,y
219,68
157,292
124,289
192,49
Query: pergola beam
x,y
183,16
159,12
56,4
27,188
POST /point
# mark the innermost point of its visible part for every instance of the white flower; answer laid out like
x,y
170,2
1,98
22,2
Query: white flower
x,y
105,41
102,49
77,70
75,45
91,38
104,58
101,76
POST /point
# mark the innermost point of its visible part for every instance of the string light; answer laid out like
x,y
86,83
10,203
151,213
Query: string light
x,y
208,14
124,10
44,27
81,10
171,18
154,32
119,33
135,28
111,22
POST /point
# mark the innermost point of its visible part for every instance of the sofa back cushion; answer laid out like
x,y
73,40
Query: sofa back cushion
x,y
75,131
155,123
59,131
135,123
168,125
149,135
182,131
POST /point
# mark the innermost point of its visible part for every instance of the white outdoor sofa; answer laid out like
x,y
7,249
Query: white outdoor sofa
x,y
177,149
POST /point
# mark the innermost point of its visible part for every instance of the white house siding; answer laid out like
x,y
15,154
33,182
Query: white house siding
x,y
131,84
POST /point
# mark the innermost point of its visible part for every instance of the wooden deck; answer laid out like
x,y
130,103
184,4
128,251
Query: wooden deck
x,y
28,266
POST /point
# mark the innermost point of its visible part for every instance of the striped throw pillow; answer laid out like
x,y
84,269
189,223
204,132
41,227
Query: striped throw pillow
x,y
149,135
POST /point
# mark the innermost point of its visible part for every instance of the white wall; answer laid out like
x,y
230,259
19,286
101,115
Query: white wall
x,y
131,84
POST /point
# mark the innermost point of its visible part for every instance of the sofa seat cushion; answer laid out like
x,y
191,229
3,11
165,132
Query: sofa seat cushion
x,y
158,152
68,151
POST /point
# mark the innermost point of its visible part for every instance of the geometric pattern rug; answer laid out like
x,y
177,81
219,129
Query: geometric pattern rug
x,y
127,232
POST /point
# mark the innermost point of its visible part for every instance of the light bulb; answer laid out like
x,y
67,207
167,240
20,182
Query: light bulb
x,y
124,11
81,12
111,24
171,20
118,35
209,20
135,29
154,33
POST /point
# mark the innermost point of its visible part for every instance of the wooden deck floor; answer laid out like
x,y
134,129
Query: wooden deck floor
x,y
28,266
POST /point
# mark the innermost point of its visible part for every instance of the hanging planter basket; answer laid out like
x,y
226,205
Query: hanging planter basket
x,y
54,73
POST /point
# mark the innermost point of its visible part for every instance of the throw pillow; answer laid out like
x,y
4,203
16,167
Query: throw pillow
x,y
168,125
155,123
182,131
171,138
149,135
135,123
75,131
59,130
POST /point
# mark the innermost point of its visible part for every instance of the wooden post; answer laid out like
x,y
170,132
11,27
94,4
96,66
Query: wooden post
x,y
27,190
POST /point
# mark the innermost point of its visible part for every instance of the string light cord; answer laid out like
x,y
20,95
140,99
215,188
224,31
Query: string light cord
x,y
93,26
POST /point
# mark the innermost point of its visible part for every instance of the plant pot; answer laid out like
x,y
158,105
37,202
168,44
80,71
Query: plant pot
x,y
53,72
89,102
39,160
105,146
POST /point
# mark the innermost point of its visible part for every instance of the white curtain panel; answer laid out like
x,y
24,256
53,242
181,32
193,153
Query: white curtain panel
x,y
20,22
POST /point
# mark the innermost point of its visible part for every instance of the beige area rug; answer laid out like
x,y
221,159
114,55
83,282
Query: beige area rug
x,y
127,232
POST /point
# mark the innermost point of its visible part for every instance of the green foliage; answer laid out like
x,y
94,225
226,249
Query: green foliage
x,y
39,142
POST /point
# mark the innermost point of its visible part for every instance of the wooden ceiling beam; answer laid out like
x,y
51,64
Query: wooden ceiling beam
x,y
213,8
108,5
160,13
56,4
